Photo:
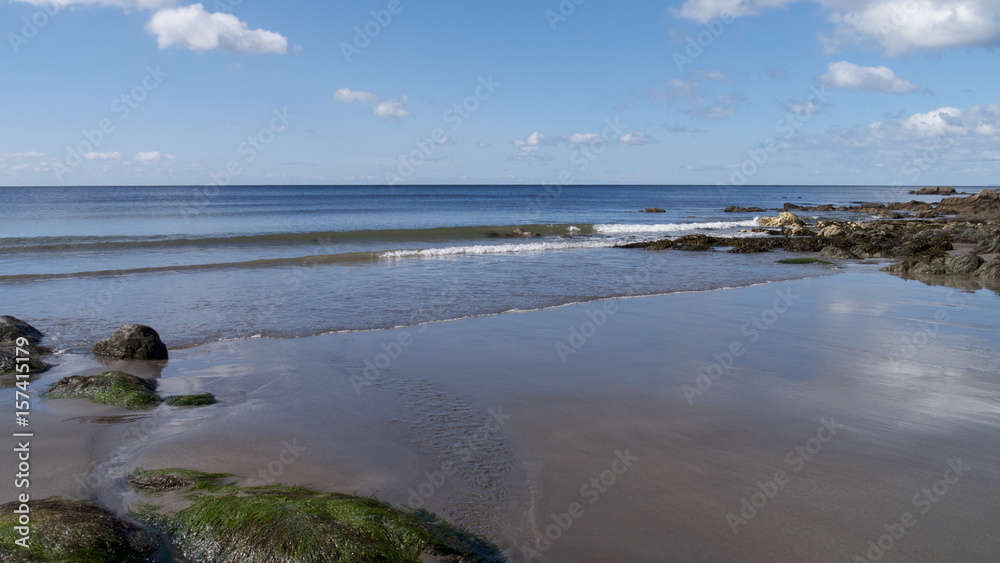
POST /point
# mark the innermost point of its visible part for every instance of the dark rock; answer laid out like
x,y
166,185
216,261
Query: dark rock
x,y
792,207
133,342
66,530
938,190
989,270
652,210
932,267
12,328
835,253
963,265
738,209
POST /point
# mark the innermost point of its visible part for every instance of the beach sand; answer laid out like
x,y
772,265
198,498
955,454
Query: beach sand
x,y
806,415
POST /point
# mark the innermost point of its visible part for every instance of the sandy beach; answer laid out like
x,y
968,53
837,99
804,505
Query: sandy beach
x,y
790,421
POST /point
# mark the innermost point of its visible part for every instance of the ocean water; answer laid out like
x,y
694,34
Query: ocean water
x,y
201,264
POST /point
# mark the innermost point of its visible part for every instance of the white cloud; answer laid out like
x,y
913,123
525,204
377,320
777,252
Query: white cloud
x,y
102,155
578,140
678,128
482,144
531,144
191,27
389,109
153,156
703,11
920,24
637,138
349,96
898,27
871,78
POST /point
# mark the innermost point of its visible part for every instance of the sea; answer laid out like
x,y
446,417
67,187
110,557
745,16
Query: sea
x,y
203,264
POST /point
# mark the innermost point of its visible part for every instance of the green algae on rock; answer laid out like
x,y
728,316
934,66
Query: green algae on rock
x,y
278,524
113,388
199,400
65,530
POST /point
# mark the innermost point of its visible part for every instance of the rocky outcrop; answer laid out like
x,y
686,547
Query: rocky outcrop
x,y
738,209
786,219
652,210
67,530
12,329
133,342
937,190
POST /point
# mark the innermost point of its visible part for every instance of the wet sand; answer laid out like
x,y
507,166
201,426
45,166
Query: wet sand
x,y
794,421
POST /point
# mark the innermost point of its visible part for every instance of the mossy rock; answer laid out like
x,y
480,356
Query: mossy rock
x,y
200,400
804,261
114,388
73,531
279,524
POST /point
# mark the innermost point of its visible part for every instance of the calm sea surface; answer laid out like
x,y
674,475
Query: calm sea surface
x,y
203,264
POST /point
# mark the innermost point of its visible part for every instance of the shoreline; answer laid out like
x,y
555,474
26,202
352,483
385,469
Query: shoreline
x,y
569,418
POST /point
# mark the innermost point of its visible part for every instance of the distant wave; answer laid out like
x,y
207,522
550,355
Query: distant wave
x,y
323,238
482,249
630,228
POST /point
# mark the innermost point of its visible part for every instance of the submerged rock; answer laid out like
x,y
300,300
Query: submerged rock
x,y
133,342
738,209
66,530
114,388
201,400
652,210
279,524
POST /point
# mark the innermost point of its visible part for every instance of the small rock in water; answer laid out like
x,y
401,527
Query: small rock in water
x,y
133,342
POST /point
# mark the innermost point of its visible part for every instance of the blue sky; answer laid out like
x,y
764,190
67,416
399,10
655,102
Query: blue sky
x,y
136,92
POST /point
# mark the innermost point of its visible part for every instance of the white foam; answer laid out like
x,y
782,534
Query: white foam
x,y
483,249
617,228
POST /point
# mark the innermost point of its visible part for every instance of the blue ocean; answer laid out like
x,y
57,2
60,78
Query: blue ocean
x,y
202,264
